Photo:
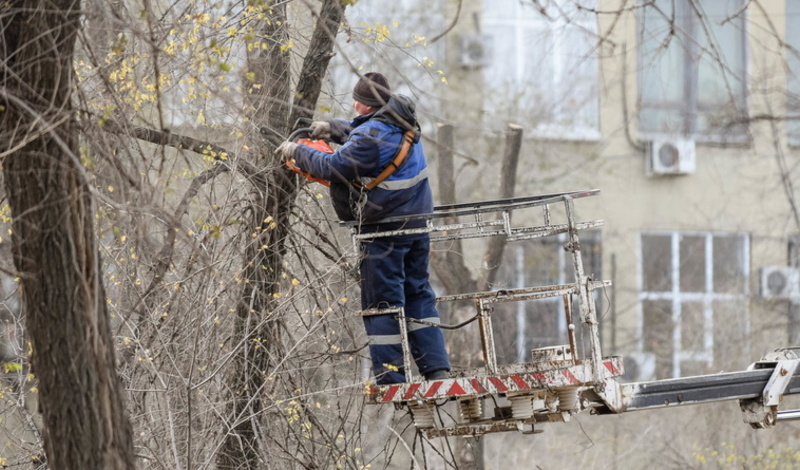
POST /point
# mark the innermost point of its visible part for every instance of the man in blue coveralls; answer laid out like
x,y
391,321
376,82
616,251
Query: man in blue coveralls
x,y
394,269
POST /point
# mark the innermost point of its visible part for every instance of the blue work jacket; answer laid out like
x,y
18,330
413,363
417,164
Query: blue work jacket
x,y
368,145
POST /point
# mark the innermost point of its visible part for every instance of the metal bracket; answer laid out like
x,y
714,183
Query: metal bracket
x,y
761,413
781,376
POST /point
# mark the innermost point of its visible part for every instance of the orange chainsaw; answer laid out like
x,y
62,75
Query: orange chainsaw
x,y
301,136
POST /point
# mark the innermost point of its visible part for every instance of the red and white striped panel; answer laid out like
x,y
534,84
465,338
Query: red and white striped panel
x,y
479,386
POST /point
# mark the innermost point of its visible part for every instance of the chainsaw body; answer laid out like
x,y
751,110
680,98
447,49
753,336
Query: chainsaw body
x,y
320,145
302,137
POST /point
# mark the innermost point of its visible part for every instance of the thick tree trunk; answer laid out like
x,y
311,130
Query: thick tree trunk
x,y
259,326
54,245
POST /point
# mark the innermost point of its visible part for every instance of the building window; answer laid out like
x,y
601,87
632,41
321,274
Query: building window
x,y
793,72
693,300
522,326
692,69
542,66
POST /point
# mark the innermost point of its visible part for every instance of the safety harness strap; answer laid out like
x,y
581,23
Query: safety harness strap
x,y
399,158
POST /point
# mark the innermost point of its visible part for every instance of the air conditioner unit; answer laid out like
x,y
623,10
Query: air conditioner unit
x,y
675,156
780,282
475,50
639,367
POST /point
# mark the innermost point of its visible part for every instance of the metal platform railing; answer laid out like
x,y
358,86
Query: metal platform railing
x,y
493,218
558,381
483,219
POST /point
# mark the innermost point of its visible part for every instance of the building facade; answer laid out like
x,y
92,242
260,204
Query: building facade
x,y
681,112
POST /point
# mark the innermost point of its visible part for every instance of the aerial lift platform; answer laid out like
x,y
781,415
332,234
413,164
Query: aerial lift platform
x,y
561,380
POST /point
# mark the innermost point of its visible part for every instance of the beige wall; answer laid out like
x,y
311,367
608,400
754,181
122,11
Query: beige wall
x,y
734,188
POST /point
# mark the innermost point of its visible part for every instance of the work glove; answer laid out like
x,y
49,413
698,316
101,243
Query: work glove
x,y
286,150
320,129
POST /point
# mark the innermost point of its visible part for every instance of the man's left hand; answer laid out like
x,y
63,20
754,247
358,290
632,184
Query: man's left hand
x,y
286,150
320,130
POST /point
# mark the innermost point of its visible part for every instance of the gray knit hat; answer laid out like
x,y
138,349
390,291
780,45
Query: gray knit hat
x,y
372,89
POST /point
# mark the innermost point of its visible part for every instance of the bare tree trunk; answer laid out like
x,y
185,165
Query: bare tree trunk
x,y
508,182
54,244
448,260
259,327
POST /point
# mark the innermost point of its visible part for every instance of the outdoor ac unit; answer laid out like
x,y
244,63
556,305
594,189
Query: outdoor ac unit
x,y
474,49
671,157
780,282
639,366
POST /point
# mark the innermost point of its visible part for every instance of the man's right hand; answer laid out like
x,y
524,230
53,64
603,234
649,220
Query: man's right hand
x,y
320,129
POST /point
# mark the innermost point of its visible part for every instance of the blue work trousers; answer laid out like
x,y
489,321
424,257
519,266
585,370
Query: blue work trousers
x,y
394,272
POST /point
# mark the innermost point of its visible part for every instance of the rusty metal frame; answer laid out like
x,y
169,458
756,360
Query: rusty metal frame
x,y
582,287
557,375
572,374
500,224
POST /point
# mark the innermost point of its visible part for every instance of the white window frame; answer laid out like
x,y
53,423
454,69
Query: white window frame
x,y
519,252
792,56
689,114
556,26
677,297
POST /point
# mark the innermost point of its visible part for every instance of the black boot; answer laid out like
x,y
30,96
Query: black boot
x,y
438,375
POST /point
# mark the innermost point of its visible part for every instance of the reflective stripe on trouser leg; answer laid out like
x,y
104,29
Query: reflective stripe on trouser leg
x,y
382,278
384,349
379,340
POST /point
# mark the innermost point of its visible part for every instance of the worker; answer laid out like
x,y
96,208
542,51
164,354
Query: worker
x,y
394,269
